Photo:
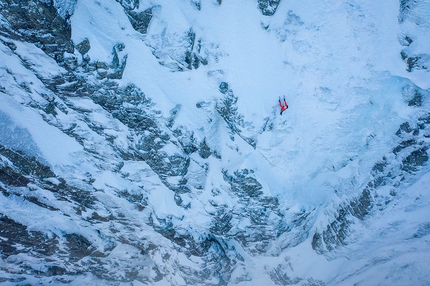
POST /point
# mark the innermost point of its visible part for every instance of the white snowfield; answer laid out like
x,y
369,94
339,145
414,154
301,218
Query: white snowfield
x,y
338,64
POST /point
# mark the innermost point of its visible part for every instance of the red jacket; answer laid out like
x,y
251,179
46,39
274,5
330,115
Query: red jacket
x,y
283,107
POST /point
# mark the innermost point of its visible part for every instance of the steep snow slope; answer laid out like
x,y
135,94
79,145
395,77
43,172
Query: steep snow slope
x,y
329,78
145,144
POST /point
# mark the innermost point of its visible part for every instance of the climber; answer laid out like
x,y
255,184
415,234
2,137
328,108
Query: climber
x,y
283,106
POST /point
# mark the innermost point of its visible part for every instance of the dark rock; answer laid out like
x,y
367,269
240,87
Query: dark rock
x,y
15,234
9,177
221,224
129,4
118,70
414,95
26,165
191,54
36,201
9,230
223,87
243,184
83,47
204,150
55,271
97,217
414,159
10,45
407,41
418,62
423,230
28,169
424,121
337,231
50,109
193,59
186,139
78,246
268,7
178,200
217,265
141,20
280,277
405,7
83,198
361,206
403,145
133,197
414,61
379,167
115,55
417,100
262,212
227,108
37,22
318,243
404,127
197,4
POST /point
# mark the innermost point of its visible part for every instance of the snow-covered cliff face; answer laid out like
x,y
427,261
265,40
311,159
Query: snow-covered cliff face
x,y
141,142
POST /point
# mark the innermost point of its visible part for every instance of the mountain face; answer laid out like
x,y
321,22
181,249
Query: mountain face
x,y
141,142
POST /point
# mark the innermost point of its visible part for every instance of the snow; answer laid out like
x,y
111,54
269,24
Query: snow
x,y
319,106
104,25
337,63
55,147
40,62
375,259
